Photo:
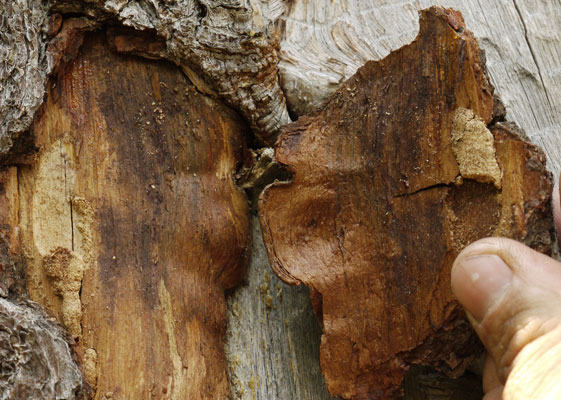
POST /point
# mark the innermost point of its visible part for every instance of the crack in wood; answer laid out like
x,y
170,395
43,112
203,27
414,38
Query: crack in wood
x,y
530,47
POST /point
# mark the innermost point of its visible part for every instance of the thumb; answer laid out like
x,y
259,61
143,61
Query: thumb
x,y
513,297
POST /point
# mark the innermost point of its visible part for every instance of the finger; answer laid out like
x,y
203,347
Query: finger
x,y
513,295
496,394
490,378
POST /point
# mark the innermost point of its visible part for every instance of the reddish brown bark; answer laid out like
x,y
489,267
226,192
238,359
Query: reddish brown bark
x,y
401,169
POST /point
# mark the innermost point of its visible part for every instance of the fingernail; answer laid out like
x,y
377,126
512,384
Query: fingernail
x,y
477,280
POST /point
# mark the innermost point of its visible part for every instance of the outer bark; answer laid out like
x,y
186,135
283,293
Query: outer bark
x,y
400,170
230,49
23,67
36,362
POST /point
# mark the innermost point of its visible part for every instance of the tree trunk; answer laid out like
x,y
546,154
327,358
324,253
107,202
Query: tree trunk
x,y
119,213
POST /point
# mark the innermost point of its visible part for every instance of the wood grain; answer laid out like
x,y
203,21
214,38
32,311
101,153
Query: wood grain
x,y
132,227
273,337
389,185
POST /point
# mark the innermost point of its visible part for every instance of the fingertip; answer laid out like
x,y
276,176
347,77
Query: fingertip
x,y
477,279
491,379
489,245
495,394
520,258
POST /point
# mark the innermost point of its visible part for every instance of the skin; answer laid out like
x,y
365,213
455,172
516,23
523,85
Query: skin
x,y
512,296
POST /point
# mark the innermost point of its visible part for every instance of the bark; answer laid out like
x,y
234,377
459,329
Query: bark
x,y
322,46
403,167
233,47
230,50
36,359
23,67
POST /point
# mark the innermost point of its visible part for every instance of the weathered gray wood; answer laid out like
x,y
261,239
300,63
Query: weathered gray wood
x,y
273,336
36,362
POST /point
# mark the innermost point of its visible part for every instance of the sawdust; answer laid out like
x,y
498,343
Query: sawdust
x,y
90,367
65,270
474,149
83,220
53,179
56,232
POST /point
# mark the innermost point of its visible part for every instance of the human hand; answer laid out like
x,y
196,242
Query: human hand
x,y
513,298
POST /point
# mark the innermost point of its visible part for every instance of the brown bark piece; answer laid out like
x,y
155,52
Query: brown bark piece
x,y
400,170
132,226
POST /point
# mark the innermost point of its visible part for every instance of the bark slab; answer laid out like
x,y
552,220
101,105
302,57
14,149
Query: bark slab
x,y
407,163
323,45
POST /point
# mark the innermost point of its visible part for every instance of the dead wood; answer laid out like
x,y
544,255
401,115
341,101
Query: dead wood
x,y
130,225
401,169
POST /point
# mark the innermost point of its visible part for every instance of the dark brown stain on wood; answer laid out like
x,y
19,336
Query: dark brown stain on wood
x,y
403,167
142,166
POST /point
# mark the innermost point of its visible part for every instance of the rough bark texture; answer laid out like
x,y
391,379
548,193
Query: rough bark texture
x,y
404,166
23,67
35,359
232,45
131,225
230,48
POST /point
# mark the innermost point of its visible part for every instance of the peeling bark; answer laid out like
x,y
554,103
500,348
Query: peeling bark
x,y
323,45
386,192
233,46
